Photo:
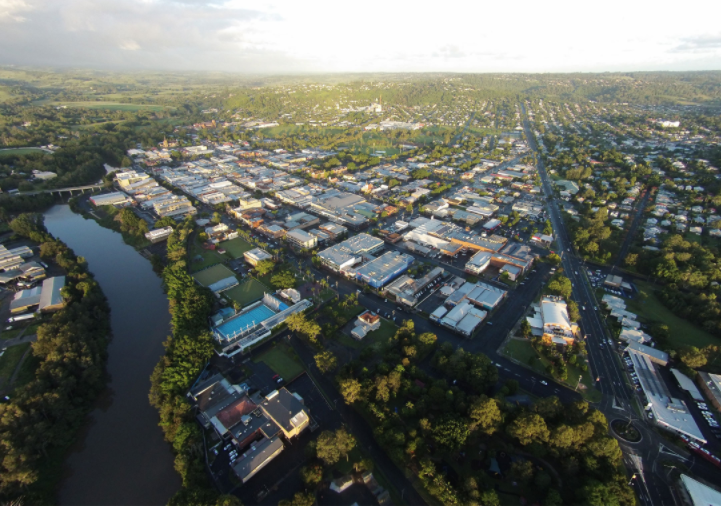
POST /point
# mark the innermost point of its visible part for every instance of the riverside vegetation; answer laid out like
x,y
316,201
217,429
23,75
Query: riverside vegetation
x,y
42,419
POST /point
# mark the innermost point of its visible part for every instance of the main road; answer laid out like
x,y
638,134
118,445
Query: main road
x,y
643,459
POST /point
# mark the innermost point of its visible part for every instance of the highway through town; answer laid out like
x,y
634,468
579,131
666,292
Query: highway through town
x,y
652,459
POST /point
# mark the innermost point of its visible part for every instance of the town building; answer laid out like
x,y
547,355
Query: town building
x,y
406,290
367,322
385,268
256,255
711,385
301,239
159,234
478,262
350,252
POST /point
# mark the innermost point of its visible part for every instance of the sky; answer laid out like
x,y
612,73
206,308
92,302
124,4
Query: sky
x,y
313,36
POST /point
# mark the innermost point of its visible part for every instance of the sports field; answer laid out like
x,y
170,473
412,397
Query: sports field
x,y
212,275
235,247
246,293
22,151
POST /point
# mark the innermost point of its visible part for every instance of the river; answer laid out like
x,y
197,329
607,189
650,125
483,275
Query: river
x,y
122,458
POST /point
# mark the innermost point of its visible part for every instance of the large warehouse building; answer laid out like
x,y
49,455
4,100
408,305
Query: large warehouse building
x,y
385,268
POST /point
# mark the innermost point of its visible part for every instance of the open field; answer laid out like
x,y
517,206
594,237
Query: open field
x,y
246,292
212,275
10,360
682,332
21,151
111,106
282,362
523,352
200,258
235,247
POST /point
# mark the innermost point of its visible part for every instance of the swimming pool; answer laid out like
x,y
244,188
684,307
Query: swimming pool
x,y
242,321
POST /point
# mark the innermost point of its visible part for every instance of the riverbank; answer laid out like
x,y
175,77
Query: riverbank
x,y
44,417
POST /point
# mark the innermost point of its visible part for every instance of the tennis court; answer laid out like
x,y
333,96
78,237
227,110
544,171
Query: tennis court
x,y
212,275
235,247
246,293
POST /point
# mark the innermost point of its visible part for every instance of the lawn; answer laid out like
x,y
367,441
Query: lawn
x,y
281,360
235,247
523,352
10,359
209,257
12,334
21,151
388,329
247,292
27,371
682,332
211,275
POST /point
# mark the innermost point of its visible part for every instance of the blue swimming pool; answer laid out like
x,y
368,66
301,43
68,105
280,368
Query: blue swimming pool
x,y
242,321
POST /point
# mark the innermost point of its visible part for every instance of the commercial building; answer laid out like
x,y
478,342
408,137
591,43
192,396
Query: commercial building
x,y
669,413
254,425
159,234
478,262
301,239
385,268
367,322
556,326
300,220
464,318
344,208
256,255
174,206
656,356
350,251
406,290
711,385
111,199
696,493
254,323
47,297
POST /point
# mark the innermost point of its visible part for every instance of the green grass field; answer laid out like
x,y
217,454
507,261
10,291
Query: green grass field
x,y
21,151
212,275
209,257
111,106
246,293
524,353
281,360
10,360
235,247
12,334
682,332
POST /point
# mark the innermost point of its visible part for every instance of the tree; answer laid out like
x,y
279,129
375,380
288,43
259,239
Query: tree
x,y
308,328
332,446
326,361
693,357
350,389
283,279
451,433
561,285
485,415
522,471
216,218
526,329
528,428
554,259
264,267
312,475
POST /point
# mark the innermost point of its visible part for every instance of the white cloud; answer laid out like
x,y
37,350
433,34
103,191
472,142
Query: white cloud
x,y
129,45
11,10
377,35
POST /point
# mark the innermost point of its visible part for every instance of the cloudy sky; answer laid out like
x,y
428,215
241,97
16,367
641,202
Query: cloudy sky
x,y
292,36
